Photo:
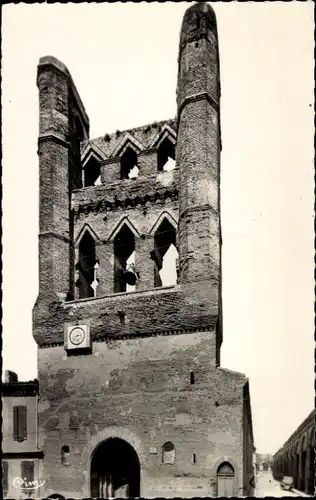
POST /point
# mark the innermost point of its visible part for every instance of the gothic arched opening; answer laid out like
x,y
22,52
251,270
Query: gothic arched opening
x,y
115,470
86,266
166,155
225,480
92,173
165,254
129,168
124,259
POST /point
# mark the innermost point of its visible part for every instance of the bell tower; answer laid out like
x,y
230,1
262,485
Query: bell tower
x,y
128,365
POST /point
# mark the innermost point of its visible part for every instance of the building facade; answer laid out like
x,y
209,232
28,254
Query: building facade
x,y
296,458
264,462
21,455
133,401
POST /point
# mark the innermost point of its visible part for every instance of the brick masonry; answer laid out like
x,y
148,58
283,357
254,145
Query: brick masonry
x,y
135,384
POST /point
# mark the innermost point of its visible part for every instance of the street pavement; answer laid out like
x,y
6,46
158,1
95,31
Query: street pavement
x,y
267,486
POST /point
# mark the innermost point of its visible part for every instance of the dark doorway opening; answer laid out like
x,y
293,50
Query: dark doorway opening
x,y
115,470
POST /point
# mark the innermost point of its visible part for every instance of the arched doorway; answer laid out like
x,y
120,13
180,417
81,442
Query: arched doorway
x,y
115,470
225,480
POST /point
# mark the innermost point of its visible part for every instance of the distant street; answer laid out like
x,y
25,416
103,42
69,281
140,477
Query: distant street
x,y
266,486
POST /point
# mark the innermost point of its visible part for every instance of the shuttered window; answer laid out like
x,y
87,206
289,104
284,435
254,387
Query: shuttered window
x,y
5,478
27,474
19,423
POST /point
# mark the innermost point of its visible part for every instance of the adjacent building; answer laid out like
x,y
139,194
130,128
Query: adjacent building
x,y
296,458
264,462
21,455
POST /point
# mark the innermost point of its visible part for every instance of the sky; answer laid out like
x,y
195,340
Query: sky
x,y
123,59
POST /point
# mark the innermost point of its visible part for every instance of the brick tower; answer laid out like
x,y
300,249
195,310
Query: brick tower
x,y
132,398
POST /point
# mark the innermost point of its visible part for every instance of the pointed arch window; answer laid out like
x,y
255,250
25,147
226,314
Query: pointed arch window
x,y
86,266
129,168
166,156
165,255
124,259
92,172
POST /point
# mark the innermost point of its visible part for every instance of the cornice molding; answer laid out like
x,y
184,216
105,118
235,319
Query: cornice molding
x,y
23,454
195,98
54,138
16,389
159,196
198,208
131,336
49,234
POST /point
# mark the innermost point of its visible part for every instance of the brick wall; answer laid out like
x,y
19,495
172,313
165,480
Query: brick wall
x,y
141,387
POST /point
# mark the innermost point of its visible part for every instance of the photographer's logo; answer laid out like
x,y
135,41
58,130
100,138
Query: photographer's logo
x,y
24,485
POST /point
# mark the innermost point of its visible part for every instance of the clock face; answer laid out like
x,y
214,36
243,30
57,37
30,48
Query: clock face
x,y
77,335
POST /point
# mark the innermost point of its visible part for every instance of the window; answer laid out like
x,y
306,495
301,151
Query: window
x,y
194,458
166,156
129,168
92,172
168,453
5,478
192,380
27,474
225,469
124,255
165,255
121,315
19,423
65,455
86,266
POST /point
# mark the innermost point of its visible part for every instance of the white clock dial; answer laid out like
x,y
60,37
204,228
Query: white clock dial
x,y
77,336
